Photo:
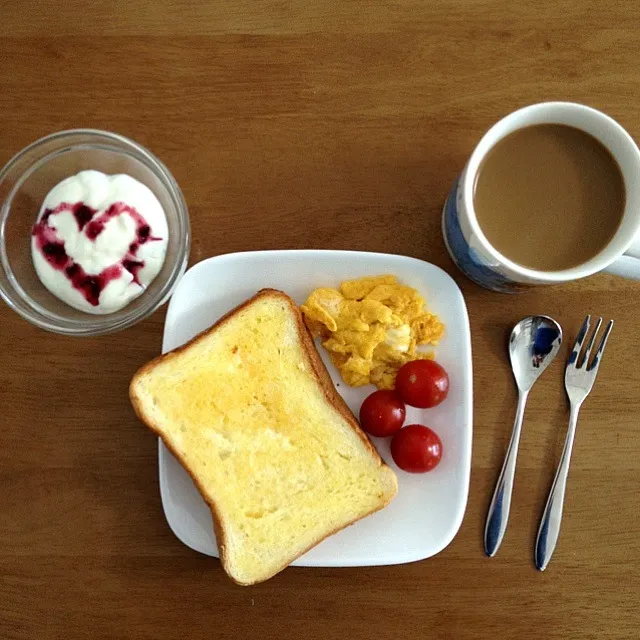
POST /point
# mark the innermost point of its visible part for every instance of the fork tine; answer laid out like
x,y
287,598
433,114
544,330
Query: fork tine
x,y
603,343
577,345
587,351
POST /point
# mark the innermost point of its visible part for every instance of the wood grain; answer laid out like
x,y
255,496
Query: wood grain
x,y
302,125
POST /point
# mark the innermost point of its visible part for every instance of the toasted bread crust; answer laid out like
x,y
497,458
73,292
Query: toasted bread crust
x,y
319,371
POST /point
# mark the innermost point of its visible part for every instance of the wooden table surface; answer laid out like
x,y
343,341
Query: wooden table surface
x,y
317,124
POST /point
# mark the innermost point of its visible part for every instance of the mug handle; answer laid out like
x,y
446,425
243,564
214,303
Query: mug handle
x,y
628,264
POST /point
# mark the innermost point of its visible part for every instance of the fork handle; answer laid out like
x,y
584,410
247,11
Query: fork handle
x,y
550,524
498,515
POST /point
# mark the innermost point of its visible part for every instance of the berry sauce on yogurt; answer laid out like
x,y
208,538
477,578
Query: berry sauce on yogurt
x,y
99,241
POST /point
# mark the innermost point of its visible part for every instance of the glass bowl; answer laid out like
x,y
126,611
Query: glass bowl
x,y
25,181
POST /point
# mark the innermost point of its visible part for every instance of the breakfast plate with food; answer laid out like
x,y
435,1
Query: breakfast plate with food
x,y
270,359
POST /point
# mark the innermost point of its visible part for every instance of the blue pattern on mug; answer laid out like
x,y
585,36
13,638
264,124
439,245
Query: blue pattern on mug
x,y
466,258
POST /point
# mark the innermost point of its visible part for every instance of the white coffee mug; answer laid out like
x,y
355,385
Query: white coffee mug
x,y
480,261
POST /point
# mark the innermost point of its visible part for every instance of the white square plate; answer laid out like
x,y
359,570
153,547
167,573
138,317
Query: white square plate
x,y
428,509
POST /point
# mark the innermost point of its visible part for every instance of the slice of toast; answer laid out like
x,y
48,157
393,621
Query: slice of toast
x,y
250,411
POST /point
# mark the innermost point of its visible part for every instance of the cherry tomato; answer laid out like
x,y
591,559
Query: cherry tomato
x,y
416,449
422,383
382,413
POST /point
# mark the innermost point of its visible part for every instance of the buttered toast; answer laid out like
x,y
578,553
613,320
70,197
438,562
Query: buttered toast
x,y
251,412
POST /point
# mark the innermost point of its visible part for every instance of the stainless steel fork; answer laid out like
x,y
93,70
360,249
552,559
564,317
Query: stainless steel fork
x,y
579,377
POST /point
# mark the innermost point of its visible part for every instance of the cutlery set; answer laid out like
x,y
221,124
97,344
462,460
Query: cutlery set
x,y
534,343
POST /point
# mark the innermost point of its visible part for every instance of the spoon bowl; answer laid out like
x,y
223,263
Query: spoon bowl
x,y
534,343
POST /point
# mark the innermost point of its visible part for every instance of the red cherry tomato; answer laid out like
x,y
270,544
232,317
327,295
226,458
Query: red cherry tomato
x,y
382,413
416,449
422,383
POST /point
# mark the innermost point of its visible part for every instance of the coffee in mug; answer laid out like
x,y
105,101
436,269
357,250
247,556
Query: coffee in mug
x,y
549,197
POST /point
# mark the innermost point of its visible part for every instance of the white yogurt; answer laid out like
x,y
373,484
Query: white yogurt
x,y
99,241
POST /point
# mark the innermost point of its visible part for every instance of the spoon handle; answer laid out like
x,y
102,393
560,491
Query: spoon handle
x,y
498,515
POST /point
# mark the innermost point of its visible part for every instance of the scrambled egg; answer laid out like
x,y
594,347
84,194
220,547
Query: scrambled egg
x,y
371,327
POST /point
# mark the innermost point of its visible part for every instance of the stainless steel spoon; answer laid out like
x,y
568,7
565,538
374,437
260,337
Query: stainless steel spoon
x,y
533,344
